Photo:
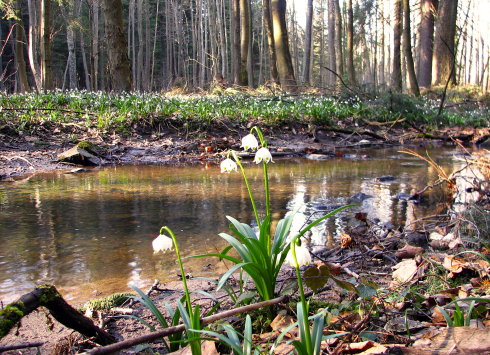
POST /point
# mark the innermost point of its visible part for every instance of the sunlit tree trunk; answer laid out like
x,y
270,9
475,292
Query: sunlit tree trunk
x,y
428,7
19,53
33,44
382,62
84,62
338,38
95,45
236,44
397,80
244,38
284,62
139,63
308,30
332,63
147,47
224,55
350,43
46,63
444,49
117,47
414,86
270,39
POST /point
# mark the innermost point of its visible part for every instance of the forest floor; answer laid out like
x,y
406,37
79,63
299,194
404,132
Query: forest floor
x,y
23,155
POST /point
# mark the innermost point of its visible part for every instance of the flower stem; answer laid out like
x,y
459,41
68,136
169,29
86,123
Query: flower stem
x,y
188,299
267,203
309,345
248,188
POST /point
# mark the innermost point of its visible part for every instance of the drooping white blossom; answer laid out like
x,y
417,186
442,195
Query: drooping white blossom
x,y
228,165
302,255
162,243
250,142
263,154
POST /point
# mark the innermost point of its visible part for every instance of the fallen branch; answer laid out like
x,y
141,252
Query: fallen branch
x,y
47,296
20,346
179,328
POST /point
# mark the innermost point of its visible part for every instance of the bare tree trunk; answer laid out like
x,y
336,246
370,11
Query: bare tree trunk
x,y
270,38
132,44
414,86
95,44
308,30
332,64
139,63
154,47
147,47
350,43
284,62
428,8
72,69
46,63
338,38
33,44
19,53
397,80
117,47
236,44
250,58
222,36
84,62
244,38
322,44
444,49
261,54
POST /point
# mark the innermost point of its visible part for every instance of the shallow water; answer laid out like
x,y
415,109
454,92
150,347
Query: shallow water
x,y
90,234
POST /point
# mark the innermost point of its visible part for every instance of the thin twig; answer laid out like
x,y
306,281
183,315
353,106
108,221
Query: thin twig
x,y
20,346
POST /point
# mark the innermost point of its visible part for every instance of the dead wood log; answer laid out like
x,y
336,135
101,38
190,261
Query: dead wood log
x,y
47,296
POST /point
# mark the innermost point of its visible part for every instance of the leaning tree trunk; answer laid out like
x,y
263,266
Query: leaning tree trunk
x,y
284,62
444,49
47,296
414,86
308,30
117,47
397,82
426,42
19,53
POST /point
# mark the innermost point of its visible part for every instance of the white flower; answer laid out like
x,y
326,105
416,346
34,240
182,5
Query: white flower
x,y
263,154
163,243
249,141
302,255
228,166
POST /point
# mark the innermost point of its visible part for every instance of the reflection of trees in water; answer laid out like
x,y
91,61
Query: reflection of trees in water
x,y
73,229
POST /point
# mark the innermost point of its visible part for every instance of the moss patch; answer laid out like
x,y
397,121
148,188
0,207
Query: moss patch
x,y
10,316
105,304
50,293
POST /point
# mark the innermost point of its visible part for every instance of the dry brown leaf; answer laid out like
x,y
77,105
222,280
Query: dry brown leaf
x,y
345,240
437,316
284,349
409,251
454,264
356,347
376,349
280,323
405,271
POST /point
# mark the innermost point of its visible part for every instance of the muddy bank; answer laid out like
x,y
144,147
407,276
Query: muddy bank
x,y
21,153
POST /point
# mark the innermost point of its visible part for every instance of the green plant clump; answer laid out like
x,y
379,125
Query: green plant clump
x,y
10,316
105,304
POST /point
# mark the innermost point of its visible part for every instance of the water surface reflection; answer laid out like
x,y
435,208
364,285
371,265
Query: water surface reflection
x,y
91,233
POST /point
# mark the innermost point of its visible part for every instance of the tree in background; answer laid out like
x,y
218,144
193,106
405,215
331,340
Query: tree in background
x,y
117,47
397,60
428,7
350,43
407,48
444,49
308,29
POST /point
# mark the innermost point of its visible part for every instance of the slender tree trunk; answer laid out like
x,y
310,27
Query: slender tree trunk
x,y
308,35
338,38
222,36
84,62
95,45
397,80
261,54
117,47
147,47
70,40
250,58
382,63
2,87
139,63
244,38
428,7
322,44
284,62
444,43
414,86
154,47
46,63
236,44
19,52
270,38
350,43
332,64
33,44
